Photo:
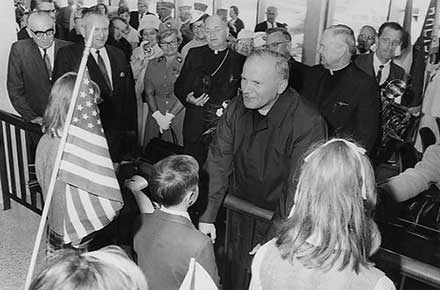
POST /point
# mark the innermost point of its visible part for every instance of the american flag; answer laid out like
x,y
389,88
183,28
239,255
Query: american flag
x,y
93,196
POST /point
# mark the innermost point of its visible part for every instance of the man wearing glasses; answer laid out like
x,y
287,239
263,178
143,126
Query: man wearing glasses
x,y
279,40
365,40
380,64
30,67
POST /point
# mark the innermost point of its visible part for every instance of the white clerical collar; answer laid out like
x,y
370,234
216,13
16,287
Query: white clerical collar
x,y
216,51
337,69
175,212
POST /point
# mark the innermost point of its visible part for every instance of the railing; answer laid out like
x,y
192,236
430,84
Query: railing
x,y
18,142
246,225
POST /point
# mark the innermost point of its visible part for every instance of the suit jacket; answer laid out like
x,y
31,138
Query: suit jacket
x,y
134,18
118,109
27,80
297,74
23,34
349,101
224,86
365,63
165,243
262,26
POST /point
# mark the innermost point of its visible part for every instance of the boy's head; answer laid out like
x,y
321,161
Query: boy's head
x,y
174,181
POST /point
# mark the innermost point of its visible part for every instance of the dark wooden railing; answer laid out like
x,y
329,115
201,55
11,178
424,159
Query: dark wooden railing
x,y
246,225
18,142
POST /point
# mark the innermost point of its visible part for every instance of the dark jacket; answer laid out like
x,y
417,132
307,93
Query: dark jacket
x,y
165,244
365,63
28,82
257,158
349,101
298,74
262,26
118,109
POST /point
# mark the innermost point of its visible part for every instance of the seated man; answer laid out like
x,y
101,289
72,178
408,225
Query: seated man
x,y
167,240
260,140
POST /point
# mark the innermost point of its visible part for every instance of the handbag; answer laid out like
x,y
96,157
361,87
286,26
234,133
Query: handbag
x,y
158,149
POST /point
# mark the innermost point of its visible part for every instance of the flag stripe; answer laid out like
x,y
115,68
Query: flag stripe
x,y
80,142
80,210
87,155
89,164
106,192
74,225
87,136
89,175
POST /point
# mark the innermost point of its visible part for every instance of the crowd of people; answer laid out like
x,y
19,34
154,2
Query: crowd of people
x,y
245,112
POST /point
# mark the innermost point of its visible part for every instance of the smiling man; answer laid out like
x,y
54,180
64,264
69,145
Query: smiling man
x,y
260,141
30,67
109,68
209,76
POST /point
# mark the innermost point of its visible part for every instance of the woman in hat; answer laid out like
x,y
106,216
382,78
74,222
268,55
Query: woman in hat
x,y
147,50
198,28
166,112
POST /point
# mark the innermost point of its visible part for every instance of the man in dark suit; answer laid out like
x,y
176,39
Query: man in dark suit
x,y
209,76
136,16
235,24
109,68
271,15
166,240
30,67
380,64
347,97
280,40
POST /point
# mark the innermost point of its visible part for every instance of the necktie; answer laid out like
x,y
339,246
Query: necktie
x,y
47,63
379,73
103,70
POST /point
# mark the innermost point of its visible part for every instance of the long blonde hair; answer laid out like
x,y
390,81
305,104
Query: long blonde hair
x,y
334,201
58,105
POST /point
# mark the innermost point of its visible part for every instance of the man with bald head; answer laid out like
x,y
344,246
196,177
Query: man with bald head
x,y
209,76
346,96
30,67
109,68
366,39
271,15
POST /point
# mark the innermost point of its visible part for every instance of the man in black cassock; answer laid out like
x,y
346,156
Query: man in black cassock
x,y
261,140
210,76
346,96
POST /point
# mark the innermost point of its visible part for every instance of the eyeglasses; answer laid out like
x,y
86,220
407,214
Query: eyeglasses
x,y
387,41
169,44
215,30
40,34
198,26
275,45
364,36
48,11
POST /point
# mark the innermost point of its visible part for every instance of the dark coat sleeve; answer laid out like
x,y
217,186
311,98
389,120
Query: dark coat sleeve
x,y
16,86
183,84
219,163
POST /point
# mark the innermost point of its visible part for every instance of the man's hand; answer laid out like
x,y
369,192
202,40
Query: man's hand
x,y
200,101
209,230
37,120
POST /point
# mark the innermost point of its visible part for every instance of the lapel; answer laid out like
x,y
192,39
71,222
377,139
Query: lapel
x,y
38,59
113,66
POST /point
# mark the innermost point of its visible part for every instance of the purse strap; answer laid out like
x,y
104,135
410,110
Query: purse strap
x,y
221,64
173,135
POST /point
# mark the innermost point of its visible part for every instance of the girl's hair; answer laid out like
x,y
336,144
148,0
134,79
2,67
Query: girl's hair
x,y
330,223
58,105
106,269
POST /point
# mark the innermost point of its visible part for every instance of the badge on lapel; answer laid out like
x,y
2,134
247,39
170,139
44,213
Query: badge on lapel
x,y
122,74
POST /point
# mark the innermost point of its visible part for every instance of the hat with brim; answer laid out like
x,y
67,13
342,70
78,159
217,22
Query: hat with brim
x,y
149,22
165,4
200,6
245,34
198,16
259,39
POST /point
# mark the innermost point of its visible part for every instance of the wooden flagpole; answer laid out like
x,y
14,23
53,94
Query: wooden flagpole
x,y
53,177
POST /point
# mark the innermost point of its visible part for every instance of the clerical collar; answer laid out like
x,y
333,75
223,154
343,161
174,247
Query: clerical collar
x,y
216,51
337,69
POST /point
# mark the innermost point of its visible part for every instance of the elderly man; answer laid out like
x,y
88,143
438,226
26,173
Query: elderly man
x,y
209,76
347,97
109,68
136,16
380,64
366,39
280,40
30,67
271,15
261,140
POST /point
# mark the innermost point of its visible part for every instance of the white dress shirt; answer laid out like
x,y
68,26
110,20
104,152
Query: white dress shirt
x,y
185,214
50,52
104,55
385,70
